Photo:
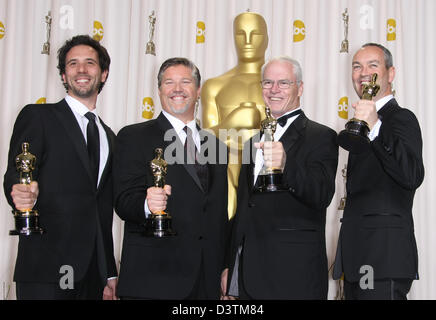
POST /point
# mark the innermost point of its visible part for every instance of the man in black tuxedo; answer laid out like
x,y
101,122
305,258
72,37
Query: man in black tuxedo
x,y
278,248
188,265
73,192
377,251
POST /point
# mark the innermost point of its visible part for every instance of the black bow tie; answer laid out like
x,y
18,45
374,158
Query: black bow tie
x,y
284,119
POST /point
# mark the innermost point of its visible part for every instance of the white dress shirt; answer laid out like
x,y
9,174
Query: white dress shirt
x,y
178,126
79,110
378,105
277,135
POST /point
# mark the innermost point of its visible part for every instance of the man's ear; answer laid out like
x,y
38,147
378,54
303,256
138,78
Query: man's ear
x,y
391,72
300,89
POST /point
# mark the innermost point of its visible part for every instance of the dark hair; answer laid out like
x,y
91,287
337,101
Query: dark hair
x,y
103,56
389,61
179,61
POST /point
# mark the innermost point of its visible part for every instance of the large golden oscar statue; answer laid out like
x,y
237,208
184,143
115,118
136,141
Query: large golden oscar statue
x,y
234,100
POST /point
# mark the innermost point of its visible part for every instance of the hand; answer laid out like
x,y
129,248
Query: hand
x,y
24,196
365,110
157,198
274,155
224,277
110,291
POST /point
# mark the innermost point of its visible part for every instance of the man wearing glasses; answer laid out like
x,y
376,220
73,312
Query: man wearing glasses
x,y
278,248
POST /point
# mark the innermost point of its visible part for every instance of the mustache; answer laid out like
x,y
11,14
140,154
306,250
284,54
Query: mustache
x,y
178,93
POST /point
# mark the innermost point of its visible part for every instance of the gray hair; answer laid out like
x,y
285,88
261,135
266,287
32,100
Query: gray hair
x,y
389,61
298,72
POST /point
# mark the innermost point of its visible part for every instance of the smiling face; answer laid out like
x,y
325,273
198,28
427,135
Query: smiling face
x,y
178,92
279,100
83,74
251,37
367,61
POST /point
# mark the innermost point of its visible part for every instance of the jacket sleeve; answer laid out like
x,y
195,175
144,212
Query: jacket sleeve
x,y
310,174
131,178
399,149
28,127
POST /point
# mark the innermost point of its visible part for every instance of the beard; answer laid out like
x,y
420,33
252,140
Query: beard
x,y
82,92
179,111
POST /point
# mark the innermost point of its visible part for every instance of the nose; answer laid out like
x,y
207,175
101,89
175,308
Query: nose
x,y
275,87
248,38
177,86
365,71
81,67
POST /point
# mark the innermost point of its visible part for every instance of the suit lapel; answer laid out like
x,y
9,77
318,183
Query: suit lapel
x,y
288,139
387,109
250,166
69,122
205,137
165,126
293,132
108,165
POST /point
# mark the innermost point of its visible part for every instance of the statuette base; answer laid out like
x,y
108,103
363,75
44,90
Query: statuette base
x,y
271,182
159,226
26,223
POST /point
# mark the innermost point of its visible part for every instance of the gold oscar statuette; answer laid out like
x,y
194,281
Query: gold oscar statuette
x,y
354,138
46,45
270,178
151,48
344,43
158,224
26,220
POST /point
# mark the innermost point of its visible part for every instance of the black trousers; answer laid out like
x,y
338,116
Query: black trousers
x,y
243,295
89,288
198,292
384,289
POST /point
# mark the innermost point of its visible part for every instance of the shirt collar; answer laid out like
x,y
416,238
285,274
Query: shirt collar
x,y
294,117
298,108
381,102
178,124
79,107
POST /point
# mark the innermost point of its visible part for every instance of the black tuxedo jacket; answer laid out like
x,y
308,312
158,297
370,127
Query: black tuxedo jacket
x,y
167,268
283,233
377,225
75,214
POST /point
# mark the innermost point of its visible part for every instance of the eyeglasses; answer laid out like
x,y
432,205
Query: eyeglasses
x,y
282,84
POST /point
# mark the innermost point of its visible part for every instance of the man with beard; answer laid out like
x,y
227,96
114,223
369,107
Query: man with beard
x,y
187,265
72,191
